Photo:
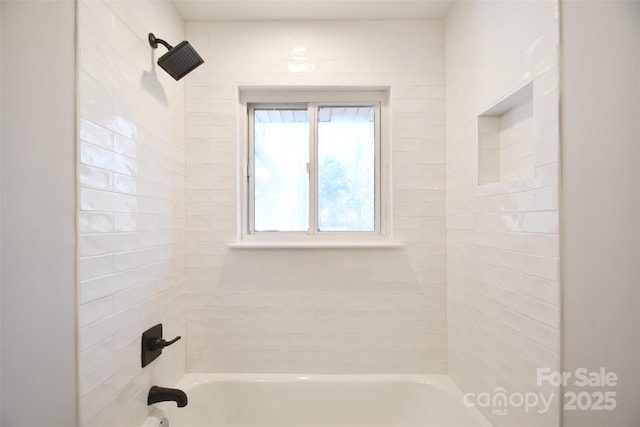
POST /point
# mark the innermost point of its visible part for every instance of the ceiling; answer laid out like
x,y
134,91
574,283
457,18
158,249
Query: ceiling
x,y
277,10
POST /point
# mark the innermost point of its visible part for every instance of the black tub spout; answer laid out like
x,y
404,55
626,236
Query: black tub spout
x,y
162,394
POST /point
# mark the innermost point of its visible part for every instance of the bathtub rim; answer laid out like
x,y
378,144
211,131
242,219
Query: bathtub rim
x,y
192,380
439,381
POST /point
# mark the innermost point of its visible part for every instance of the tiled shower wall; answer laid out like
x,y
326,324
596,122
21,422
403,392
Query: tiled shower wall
x,y
502,241
131,173
316,310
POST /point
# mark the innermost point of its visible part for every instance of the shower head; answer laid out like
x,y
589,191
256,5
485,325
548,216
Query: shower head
x,y
180,60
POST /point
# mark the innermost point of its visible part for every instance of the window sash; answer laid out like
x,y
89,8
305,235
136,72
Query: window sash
x,y
312,169
375,165
252,161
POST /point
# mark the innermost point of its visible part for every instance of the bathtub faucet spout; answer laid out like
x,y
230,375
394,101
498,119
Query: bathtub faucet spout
x,y
162,394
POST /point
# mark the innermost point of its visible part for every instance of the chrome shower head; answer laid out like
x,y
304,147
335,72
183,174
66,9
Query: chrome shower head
x,y
180,60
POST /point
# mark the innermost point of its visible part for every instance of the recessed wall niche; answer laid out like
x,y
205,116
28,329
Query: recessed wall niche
x,y
505,139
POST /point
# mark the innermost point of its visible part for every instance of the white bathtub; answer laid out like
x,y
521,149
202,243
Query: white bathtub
x,y
232,400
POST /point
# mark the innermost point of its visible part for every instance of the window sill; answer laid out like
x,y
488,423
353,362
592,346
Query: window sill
x,y
314,245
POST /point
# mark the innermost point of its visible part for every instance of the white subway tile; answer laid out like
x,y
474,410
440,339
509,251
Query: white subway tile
x,y
275,294
93,356
94,200
95,92
91,177
92,267
125,222
98,376
131,260
132,147
93,155
102,329
503,274
541,222
108,119
95,134
95,222
106,285
125,184
95,310
94,400
499,222
125,146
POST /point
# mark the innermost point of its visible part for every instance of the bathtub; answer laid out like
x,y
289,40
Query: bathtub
x,y
232,400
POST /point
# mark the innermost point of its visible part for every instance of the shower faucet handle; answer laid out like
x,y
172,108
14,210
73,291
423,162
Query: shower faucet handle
x,y
159,343
152,344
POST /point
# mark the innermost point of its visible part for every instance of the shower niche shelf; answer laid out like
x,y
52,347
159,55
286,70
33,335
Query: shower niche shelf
x,y
505,139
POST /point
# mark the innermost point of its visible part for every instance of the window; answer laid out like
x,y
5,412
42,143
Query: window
x,y
314,170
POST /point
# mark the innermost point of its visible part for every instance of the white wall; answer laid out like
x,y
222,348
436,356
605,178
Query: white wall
x,y
502,238
317,310
0,220
38,214
131,178
600,203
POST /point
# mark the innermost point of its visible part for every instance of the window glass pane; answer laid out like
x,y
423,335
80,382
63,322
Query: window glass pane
x,y
281,182
346,168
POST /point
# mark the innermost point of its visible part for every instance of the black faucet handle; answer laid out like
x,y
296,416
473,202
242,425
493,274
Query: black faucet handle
x,y
152,343
159,343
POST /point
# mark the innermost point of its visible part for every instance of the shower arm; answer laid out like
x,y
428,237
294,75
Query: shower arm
x,y
153,41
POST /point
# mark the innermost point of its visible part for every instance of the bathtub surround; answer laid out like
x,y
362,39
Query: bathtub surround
x,y
131,221
316,310
502,218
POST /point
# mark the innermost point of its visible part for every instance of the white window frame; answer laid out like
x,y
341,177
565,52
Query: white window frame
x,y
287,98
